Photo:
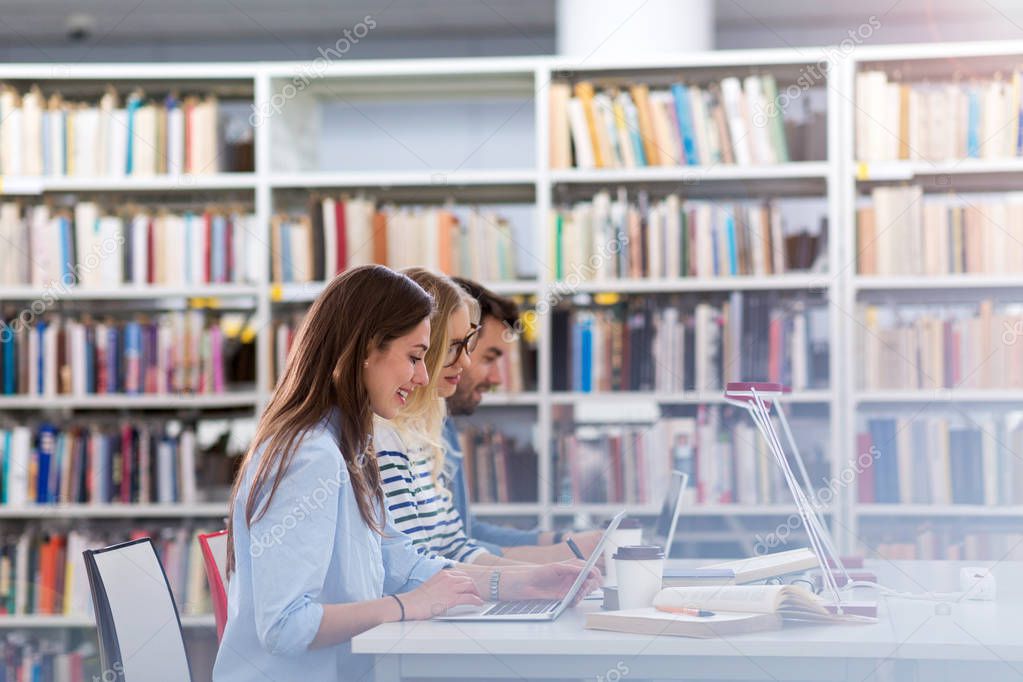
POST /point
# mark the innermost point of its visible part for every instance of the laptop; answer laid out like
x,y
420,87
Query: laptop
x,y
534,609
667,520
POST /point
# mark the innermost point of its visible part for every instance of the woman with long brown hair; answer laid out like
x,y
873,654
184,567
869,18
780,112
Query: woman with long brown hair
x,y
313,556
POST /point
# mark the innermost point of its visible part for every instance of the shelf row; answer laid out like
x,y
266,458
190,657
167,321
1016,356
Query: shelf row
x,y
248,399
526,509
875,171
304,293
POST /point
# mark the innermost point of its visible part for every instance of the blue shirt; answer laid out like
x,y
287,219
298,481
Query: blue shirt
x,y
310,548
488,535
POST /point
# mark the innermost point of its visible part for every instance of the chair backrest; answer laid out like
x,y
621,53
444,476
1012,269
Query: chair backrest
x,y
139,629
214,556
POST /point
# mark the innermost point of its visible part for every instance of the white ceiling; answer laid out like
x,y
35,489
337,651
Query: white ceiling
x,y
528,24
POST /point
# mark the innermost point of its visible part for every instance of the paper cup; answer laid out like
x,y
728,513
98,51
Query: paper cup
x,y
639,570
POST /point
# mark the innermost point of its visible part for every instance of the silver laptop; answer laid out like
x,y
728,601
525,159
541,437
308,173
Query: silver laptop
x,y
534,609
667,520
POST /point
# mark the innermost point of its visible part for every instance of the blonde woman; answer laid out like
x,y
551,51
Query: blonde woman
x,y
313,556
410,447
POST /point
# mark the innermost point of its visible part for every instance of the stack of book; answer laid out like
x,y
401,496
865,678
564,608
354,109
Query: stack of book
x,y
340,233
936,121
727,462
130,464
46,660
45,572
941,461
676,344
902,232
91,246
614,238
52,136
496,468
970,346
728,122
175,352
516,366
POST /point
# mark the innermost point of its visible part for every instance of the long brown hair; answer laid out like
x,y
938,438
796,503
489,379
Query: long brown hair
x,y
423,414
360,310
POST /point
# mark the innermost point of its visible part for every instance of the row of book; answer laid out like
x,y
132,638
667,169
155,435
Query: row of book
x,y
929,544
614,238
91,246
517,366
936,121
903,232
726,459
731,122
941,461
45,572
496,468
967,346
339,233
52,136
46,659
679,344
133,464
173,352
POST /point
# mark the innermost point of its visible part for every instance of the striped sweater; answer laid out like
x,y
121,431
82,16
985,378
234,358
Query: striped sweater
x,y
417,507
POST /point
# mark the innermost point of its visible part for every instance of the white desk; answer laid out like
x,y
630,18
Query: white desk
x,y
912,640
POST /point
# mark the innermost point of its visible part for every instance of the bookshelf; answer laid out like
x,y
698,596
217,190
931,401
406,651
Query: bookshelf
x,y
465,101
931,529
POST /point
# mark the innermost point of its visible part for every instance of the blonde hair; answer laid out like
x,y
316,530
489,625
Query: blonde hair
x,y
422,417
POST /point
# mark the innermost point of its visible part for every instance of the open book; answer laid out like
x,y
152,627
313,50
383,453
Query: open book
x,y
790,602
736,609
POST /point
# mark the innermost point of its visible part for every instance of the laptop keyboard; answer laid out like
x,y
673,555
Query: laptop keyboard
x,y
522,607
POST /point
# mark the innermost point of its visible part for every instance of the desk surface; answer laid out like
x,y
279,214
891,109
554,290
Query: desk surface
x,y
906,629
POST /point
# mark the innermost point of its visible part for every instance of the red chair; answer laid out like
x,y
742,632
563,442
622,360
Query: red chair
x,y
214,555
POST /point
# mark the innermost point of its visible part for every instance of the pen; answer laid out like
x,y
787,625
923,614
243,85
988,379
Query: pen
x,y
686,611
575,549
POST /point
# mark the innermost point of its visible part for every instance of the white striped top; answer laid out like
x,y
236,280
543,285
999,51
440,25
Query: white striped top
x,y
417,507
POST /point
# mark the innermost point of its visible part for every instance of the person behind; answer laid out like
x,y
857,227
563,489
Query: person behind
x,y
498,319
410,447
313,557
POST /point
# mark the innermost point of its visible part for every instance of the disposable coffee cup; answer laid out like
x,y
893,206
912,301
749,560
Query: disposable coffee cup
x,y
639,569
629,532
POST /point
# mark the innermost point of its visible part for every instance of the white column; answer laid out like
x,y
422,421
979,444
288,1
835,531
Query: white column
x,y
606,30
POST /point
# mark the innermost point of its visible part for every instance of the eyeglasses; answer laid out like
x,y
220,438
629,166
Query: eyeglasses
x,y
468,344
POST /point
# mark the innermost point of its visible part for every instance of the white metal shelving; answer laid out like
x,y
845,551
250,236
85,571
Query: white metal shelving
x,y
116,511
932,62
131,293
693,174
131,402
837,177
43,622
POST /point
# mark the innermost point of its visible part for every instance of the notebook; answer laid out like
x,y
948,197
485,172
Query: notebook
x,y
769,565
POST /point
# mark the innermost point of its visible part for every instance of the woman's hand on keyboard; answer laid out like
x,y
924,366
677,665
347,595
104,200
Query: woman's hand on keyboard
x,y
548,581
444,590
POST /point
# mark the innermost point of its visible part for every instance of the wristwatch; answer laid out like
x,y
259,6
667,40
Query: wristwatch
x,y
495,583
